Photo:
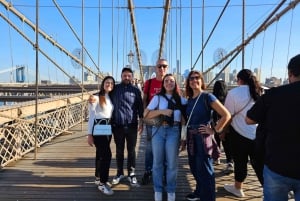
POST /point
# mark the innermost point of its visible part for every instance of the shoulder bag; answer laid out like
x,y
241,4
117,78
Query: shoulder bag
x,y
155,121
101,127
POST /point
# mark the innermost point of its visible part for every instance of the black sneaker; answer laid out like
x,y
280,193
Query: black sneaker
x,y
229,169
192,197
132,179
147,178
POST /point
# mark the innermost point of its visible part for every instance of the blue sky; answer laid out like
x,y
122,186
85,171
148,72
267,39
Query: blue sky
x,y
270,50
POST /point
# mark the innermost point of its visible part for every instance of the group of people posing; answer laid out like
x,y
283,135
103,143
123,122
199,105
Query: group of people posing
x,y
233,118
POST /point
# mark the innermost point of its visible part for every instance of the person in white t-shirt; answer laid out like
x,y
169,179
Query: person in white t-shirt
x,y
238,101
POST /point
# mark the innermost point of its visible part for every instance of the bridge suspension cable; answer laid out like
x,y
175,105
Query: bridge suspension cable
x,y
211,33
75,34
274,46
289,43
135,36
39,49
9,7
266,23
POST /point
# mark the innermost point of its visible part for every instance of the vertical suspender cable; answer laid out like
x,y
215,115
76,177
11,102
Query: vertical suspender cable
x,y
243,36
176,36
82,60
191,9
274,46
125,36
288,52
180,52
262,50
252,54
170,41
36,75
202,41
99,40
11,49
112,38
117,47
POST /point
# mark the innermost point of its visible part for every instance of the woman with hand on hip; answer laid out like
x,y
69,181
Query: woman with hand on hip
x,y
100,110
200,135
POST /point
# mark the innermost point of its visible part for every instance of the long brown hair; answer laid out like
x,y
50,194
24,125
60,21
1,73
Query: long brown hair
x,y
175,92
102,100
188,90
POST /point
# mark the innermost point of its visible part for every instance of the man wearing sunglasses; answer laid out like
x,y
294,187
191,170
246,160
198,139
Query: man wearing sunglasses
x,y
152,87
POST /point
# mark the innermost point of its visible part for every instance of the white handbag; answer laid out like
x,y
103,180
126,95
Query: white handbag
x,y
183,132
100,128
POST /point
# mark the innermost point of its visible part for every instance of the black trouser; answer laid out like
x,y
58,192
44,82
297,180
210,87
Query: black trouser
x,y
129,134
103,157
242,149
226,146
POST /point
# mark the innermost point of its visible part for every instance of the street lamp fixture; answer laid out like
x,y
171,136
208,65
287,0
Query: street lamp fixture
x,y
130,56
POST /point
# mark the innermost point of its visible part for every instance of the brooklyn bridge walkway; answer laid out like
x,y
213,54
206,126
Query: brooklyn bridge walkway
x,y
64,169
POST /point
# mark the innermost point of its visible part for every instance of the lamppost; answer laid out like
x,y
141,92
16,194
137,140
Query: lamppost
x,y
130,56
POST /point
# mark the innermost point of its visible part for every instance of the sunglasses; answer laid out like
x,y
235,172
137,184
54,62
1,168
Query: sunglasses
x,y
194,78
162,66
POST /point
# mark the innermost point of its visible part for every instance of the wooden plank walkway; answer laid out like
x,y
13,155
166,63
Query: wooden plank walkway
x,y
64,171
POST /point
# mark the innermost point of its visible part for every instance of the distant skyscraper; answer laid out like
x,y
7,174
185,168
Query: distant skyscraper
x,y
257,72
208,76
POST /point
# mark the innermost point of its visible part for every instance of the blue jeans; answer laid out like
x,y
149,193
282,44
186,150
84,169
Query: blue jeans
x,y
148,153
165,147
276,186
201,165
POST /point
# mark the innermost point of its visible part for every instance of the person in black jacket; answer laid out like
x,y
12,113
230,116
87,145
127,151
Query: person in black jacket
x,y
278,109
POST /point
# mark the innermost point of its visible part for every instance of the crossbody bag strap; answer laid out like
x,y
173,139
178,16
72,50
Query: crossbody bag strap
x,y
241,108
106,120
188,121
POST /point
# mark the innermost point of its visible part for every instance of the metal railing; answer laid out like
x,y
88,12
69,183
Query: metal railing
x,y
17,136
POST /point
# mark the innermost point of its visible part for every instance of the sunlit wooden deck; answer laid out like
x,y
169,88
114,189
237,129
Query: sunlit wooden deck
x,y
64,170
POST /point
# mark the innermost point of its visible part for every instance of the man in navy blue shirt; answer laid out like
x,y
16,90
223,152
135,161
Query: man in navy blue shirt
x,y
278,111
126,123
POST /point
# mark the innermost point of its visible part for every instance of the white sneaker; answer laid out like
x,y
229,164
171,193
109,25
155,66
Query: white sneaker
x,y
117,179
105,189
97,181
158,196
171,196
231,189
291,195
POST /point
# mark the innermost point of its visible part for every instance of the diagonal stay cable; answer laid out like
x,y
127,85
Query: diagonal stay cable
x,y
40,50
212,31
266,23
74,32
9,7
